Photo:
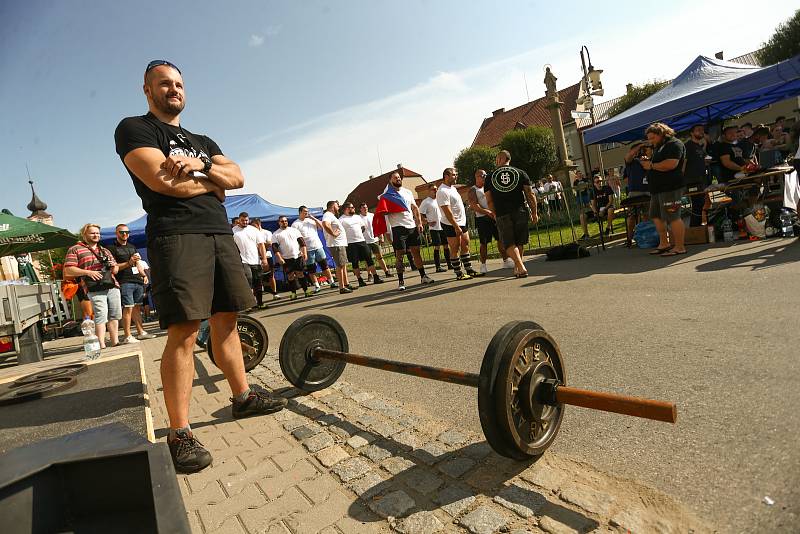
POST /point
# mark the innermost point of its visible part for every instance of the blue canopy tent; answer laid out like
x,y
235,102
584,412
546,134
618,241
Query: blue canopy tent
x,y
708,90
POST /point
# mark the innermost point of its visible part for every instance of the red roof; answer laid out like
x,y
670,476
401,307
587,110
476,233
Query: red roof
x,y
533,113
369,190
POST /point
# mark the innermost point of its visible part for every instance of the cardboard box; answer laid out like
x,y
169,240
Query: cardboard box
x,y
696,235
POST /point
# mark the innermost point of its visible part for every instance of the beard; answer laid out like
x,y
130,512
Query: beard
x,y
164,105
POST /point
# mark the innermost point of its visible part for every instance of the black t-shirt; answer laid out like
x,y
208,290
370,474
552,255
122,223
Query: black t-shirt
x,y
123,253
663,181
602,195
695,172
735,154
637,177
506,185
166,215
748,148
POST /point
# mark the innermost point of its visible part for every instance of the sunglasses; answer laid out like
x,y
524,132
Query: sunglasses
x,y
124,232
157,63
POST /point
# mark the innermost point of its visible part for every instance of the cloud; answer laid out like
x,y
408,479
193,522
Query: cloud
x,y
256,40
273,30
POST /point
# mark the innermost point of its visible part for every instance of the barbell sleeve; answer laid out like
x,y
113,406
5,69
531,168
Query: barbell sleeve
x,y
612,402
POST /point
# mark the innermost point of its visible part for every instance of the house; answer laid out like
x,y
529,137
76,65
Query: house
x,y
368,190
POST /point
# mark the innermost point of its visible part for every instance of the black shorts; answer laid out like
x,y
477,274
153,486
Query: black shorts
x,y
449,231
256,272
294,265
487,230
404,238
513,227
358,252
438,238
195,276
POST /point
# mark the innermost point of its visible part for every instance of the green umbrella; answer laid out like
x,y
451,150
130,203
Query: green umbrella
x,y
20,236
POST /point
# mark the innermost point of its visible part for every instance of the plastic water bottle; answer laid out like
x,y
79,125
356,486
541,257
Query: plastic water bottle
x,y
786,224
91,345
727,230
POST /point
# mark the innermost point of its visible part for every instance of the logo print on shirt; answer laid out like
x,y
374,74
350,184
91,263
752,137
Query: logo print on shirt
x,y
505,179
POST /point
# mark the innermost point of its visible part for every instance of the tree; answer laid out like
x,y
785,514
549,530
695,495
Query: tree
x,y
471,159
532,150
783,44
636,94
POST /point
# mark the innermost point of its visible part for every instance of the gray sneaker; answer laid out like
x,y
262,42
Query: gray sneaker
x,y
427,279
146,335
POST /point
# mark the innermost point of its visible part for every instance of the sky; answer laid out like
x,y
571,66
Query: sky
x,y
311,98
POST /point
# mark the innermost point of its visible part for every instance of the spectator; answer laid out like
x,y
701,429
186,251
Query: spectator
x,y
309,227
131,280
432,216
583,198
552,189
485,222
95,267
291,252
613,181
747,128
373,242
665,177
603,203
251,244
336,240
268,271
731,158
695,172
636,176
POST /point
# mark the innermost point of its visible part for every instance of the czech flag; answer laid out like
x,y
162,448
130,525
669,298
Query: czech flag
x,y
391,201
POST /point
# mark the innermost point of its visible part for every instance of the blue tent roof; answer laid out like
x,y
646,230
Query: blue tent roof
x,y
253,204
708,90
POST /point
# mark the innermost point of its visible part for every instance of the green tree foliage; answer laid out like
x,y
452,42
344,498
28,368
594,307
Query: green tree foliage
x,y
532,150
636,95
783,44
471,159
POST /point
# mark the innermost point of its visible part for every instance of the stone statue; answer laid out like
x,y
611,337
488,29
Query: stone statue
x,y
550,82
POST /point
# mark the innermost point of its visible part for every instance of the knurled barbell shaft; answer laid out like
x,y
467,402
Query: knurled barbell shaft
x,y
611,402
423,371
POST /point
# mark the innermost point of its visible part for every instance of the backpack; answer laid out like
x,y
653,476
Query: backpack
x,y
646,235
572,251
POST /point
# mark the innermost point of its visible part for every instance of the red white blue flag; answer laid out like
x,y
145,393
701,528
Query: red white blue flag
x,y
391,201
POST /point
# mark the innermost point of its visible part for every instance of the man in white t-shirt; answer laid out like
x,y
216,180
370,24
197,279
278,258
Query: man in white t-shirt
x,y
291,252
432,216
309,227
357,249
454,224
406,230
336,240
253,252
485,222
373,242
269,272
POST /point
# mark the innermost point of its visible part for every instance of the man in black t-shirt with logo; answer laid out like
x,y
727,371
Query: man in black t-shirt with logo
x,y
181,178
730,154
506,192
665,176
131,283
602,202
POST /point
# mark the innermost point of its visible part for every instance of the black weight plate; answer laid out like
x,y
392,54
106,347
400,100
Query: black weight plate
x,y
528,437
252,333
56,372
35,390
304,334
486,387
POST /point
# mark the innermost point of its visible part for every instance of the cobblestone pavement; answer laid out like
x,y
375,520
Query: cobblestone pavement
x,y
345,461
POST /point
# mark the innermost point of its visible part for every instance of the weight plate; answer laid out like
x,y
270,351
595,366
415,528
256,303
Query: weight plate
x,y
530,356
486,387
302,336
35,390
56,372
254,338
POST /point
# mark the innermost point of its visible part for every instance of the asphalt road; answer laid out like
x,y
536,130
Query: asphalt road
x,y
716,331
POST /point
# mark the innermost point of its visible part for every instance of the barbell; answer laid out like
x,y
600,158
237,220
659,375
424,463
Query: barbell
x,y
521,385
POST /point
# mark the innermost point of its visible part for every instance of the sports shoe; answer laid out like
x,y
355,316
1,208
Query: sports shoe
x,y
317,289
508,263
130,339
377,279
259,402
361,283
308,292
426,279
474,274
388,275
369,277
344,290
463,276
351,287
293,296
145,335
483,268
188,454
441,270
276,296
401,287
